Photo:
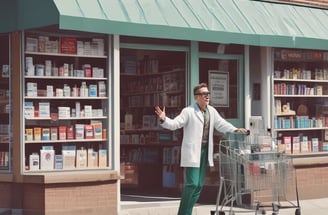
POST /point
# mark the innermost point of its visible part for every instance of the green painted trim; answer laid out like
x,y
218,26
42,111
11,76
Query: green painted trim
x,y
154,47
194,70
183,33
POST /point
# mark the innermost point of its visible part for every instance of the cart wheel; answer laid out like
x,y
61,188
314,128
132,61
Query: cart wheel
x,y
274,213
263,212
298,211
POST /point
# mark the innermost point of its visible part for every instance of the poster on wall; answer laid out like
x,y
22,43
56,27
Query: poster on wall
x,y
219,88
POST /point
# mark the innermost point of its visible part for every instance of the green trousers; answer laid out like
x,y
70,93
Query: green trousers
x,y
193,183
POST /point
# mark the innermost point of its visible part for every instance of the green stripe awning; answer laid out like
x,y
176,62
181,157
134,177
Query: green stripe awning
x,y
224,21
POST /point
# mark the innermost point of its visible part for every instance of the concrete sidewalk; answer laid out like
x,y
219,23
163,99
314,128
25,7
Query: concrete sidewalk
x,y
169,206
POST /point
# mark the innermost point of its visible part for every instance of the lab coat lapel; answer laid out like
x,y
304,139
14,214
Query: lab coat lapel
x,y
198,113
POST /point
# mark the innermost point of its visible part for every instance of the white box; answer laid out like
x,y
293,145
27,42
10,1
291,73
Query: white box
x,y
47,159
81,158
87,110
44,109
34,162
31,89
92,158
102,158
50,91
28,109
69,155
64,112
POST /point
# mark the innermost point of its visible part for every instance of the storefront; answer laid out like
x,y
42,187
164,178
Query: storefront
x,y
80,79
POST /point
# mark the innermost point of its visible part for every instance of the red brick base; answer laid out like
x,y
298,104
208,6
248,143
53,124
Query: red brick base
x,y
75,198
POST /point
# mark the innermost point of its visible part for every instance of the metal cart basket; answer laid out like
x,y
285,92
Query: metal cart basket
x,y
252,180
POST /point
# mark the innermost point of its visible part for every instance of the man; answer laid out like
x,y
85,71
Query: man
x,y
198,122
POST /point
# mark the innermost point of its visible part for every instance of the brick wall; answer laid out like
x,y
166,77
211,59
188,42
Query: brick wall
x,y
76,198
312,182
5,195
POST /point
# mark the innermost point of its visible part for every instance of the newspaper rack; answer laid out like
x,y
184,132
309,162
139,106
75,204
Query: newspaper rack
x,y
253,180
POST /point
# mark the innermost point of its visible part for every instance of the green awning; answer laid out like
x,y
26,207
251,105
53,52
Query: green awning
x,y
224,21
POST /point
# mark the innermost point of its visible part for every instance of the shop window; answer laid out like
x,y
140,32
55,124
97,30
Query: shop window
x,y
5,103
222,78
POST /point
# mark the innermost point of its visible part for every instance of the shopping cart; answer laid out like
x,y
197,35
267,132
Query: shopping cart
x,y
252,180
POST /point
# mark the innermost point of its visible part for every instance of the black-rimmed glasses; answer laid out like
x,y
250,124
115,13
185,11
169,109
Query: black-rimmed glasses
x,y
203,94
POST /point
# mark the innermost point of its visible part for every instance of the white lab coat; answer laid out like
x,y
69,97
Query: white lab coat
x,y
192,121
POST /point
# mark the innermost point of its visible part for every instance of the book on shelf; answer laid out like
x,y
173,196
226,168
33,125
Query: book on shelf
x,y
315,144
305,144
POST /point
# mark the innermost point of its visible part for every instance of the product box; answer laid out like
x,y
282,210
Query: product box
x,y
29,134
58,161
45,134
81,158
305,145
53,133
47,159
102,158
87,110
62,132
37,133
97,129
92,158
68,45
93,91
64,112
34,161
315,145
44,109
69,155
70,132
128,119
101,89
287,141
296,147
79,131
28,109
88,132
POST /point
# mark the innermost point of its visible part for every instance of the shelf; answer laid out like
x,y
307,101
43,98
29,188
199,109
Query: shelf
x,y
65,118
66,98
65,78
299,80
300,129
285,114
64,55
302,96
65,141
152,144
69,176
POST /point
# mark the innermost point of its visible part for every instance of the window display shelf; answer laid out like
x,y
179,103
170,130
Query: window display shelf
x,y
66,104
